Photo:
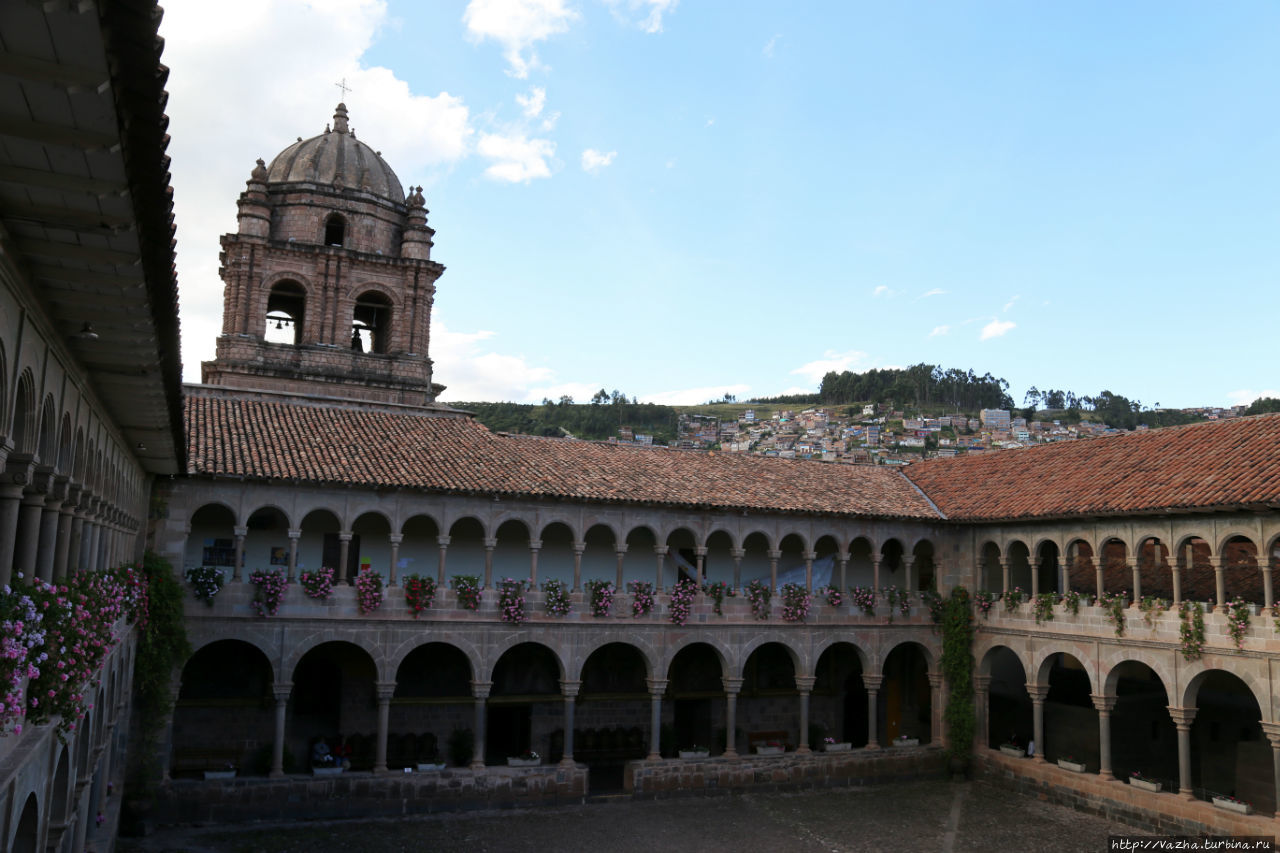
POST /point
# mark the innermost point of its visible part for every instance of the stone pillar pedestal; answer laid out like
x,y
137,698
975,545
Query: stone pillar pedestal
x,y
569,689
737,554
443,542
1038,693
535,545
578,549
237,570
700,556
1104,705
657,686
386,689
774,556
294,536
621,551
804,684
1219,582
872,683
280,691
490,542
344,554
1182,720
732,686
395,539
660,551
480,691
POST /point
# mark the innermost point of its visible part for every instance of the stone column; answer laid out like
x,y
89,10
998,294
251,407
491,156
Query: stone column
x,y
535,545
1137,582
981,729
1005,572
737,554
569,689
1267,591
872,683
1182,720
875,576
479,690
237,569
294,536
657,686
443,542
1177,581
774,556
661,552
1105,705
844,566
280,691
66,516
808,569
1035,580
1064,583
621,551
395,539
1273,735
804,684
578,548
48,547
344,554
75,556
1220,581
490,542
732,686
909,568
700,554
936,733
29,534
386,689
1038,693
10,501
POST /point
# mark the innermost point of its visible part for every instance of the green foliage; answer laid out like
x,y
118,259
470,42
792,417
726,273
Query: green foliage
x,y
1191,631
1044,606
1262,406
597,420
957,668
918,385
1114,603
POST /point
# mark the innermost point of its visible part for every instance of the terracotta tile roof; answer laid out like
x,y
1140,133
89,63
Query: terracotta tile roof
x,y
1207,465
265,439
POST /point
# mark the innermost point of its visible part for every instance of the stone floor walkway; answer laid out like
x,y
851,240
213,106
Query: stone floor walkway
x,y
933,816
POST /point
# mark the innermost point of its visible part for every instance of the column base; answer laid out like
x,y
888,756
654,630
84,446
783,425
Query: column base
x,y
653,756
568,761
803,750
477,765
1040,759
276,774
729,752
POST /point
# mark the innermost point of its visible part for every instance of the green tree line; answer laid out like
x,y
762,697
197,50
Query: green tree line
x,y
918,386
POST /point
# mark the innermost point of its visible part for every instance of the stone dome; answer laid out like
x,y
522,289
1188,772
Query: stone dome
x,y
336,158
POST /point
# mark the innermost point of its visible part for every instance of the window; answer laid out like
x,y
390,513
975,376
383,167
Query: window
x,y
335,230
286,310
371,323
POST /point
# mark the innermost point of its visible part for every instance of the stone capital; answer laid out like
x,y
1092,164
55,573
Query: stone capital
x,y
935,679
386,689
775,553
579,547
620,549
480,689
1182,717
535,544
810,555
280,690
1272,731
1103,703
981,683
1037,692
443,541
872,682
661,550
732,685
241,531
395,538
804,683
657,686
700,551
490,542
737,553
344,535
569,689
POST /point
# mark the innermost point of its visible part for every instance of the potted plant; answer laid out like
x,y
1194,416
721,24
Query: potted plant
x,y
1012,749
1231,804
829,745
205,582
528,758
1137,780
770,747
695,751
903,740
1069,763
228,771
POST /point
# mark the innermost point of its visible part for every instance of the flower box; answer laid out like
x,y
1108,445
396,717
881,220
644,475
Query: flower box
x,y
1073,766
326,771
906,741
770,750
523,762
838,747
219,774
427,768
1146,785
695,753
1232,805
1013,751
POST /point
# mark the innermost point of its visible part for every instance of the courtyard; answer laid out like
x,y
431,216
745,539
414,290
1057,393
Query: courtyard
x,y
929,815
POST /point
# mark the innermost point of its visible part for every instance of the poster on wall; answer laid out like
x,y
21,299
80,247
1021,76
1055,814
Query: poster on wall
x,y
279,556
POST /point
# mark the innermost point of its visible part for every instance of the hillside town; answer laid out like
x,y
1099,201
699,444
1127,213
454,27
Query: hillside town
x,y
883,436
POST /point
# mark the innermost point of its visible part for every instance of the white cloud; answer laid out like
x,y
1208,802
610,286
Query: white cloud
x,y
1009,304
517,25
549,121
882,290
938,331
1245,396
533,102
771,45
937,291
694,396
645,14
517,159
233,46
593,161
473,372
830,361
710,121
995,329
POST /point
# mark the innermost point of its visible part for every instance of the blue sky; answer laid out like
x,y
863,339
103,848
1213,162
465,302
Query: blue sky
x,y
682,199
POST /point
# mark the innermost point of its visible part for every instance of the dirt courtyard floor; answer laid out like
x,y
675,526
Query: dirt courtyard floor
x,y
934,816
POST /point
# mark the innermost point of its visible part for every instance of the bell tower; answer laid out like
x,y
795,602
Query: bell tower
x,y
328,280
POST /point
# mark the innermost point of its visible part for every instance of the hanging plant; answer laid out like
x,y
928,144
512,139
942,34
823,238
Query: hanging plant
x,y
1044,606
795,602
557,601
863,598
984,601
419,592
935,603
1012,599
717,592
1114,603
1238,611
268,591
681,604
758,596
832,595
1151,606
317,584
641,597
467,589
1191,631
511,600
205,582
368,590
1072,602
600,594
